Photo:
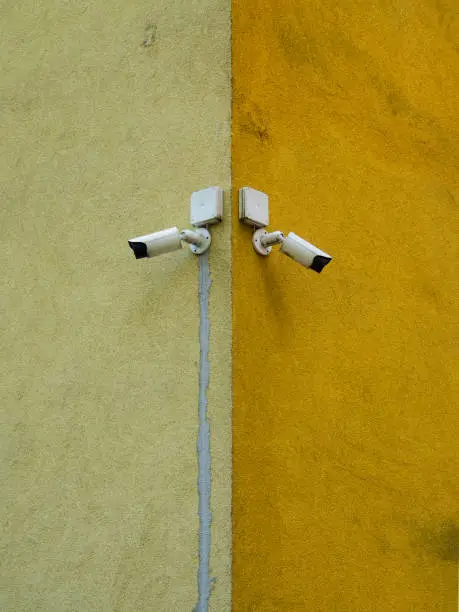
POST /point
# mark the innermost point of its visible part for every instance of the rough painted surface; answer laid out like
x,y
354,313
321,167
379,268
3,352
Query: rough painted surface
x,y
111,116
345,422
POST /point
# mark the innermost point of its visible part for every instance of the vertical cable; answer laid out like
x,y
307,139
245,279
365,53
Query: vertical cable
x,y
205,515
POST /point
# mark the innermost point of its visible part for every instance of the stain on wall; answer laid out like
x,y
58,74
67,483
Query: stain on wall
x,y
345,427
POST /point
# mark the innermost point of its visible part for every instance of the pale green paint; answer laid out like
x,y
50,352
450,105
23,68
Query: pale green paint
x,y
102,138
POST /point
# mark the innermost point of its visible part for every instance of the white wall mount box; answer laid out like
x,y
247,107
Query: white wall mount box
x,y
206,206
253,207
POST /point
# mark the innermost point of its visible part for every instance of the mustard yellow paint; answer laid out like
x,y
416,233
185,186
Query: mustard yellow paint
x,y
345,421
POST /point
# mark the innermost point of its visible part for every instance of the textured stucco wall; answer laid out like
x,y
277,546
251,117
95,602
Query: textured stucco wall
x,y
345,422
103,138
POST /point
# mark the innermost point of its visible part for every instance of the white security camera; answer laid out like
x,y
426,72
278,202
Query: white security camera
x,y
206,208
157,243
169,240
293,246
254,211
304,253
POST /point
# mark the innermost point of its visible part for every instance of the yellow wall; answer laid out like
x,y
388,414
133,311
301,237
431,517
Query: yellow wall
x,y
102,139
345,423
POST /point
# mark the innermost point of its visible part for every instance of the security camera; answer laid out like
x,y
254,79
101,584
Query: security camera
x,y
293,246
206,208
169,240
157,243
304,253
254,211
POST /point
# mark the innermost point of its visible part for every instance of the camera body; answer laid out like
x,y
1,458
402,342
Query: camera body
x,y
156,243
304,252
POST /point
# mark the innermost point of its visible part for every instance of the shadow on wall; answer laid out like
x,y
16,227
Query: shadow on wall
x,y
440,540
163,277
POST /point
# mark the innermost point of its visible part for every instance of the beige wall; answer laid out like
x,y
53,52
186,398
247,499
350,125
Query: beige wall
x,y
101,139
